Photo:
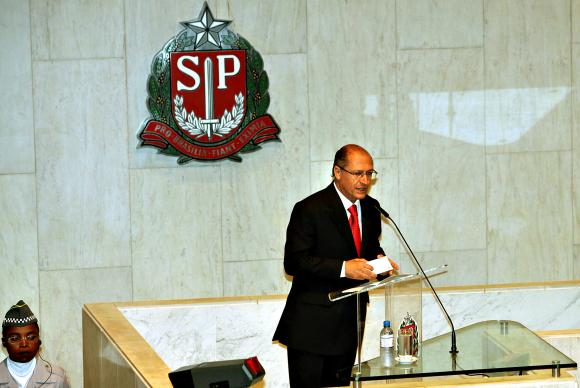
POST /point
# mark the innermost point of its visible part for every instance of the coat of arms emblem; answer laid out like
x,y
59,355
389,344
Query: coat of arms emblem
x,y
207,95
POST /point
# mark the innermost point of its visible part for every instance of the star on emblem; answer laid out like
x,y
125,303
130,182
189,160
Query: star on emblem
x,y
206,28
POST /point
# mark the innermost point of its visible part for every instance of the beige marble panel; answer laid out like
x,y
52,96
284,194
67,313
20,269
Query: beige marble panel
x,y
441,100
439,23
441,131
257,200
352,76
320,174
442,162
149,25
18,241
176,231
464,267
442,193
82,175
256,277
16,130
527,77
529,210
386,191
62,294
259,193
78,29
576,137
289,99
271,26
576,21
40,42
576,273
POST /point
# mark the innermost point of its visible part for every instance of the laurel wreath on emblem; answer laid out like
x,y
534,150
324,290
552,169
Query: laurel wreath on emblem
x,y
159,88
191,123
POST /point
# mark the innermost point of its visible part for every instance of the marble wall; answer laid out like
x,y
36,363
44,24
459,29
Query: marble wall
x,y
470,107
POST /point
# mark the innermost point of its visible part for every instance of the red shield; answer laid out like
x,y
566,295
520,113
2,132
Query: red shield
x,y
208,92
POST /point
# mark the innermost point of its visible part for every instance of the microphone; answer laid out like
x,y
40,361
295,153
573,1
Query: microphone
x,y
453,350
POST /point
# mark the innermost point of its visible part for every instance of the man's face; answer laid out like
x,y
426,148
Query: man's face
x,y
349,185
22,343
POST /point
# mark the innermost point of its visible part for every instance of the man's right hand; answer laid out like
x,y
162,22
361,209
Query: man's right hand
x,y
359,269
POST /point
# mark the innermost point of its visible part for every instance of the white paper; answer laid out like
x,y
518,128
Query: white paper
x,y
381,265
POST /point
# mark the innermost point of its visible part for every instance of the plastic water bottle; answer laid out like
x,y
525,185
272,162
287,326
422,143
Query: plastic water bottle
x,y
387,345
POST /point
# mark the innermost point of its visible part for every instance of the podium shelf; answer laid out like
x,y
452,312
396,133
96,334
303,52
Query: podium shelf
x,y
389,281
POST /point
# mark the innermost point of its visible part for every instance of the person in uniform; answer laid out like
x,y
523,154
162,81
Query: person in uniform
x,y
24,367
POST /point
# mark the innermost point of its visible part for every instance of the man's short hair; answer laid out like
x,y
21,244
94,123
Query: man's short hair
x,y
341,156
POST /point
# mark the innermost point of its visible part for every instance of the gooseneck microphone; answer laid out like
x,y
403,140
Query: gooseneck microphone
x,y
453,350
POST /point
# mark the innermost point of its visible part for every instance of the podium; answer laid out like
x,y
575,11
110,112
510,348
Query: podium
x,y
486,348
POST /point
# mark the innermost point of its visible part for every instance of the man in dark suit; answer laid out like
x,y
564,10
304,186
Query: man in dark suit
x,y
330,237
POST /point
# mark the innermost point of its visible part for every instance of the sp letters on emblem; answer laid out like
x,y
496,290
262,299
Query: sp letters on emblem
x,y
207,95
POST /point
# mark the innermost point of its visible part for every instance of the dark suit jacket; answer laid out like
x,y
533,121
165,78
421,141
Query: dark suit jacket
x,y
318,240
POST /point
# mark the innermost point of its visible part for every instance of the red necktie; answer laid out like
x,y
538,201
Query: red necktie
x,y
353,221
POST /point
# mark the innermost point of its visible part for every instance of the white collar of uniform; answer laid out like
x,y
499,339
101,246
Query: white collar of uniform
x,y
21,371
345,201
21,368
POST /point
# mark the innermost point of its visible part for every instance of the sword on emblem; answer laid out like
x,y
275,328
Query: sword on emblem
x,y
210,121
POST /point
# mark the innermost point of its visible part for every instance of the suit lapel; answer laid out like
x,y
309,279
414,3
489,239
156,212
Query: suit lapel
x,y
365,210
338,216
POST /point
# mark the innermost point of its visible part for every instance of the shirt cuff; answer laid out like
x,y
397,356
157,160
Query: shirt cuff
x,y
343,270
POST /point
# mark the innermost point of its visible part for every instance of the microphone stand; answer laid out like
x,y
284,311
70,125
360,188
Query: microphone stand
x,y
453,350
